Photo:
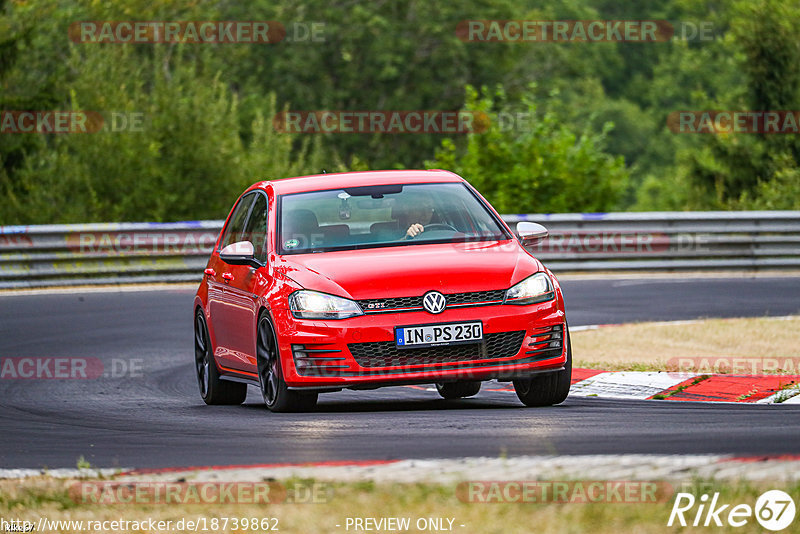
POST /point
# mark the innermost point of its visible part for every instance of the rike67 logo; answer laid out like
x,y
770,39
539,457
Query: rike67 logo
x,y
774,510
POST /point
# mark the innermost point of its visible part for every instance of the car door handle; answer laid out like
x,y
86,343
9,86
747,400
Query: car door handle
x,y
227,277
210,272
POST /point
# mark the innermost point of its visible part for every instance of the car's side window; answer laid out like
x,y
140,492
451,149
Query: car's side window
x,y
256,228
233,231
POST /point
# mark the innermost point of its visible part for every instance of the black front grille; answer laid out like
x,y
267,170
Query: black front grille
x,y
475,296
390,303
453,299
386,354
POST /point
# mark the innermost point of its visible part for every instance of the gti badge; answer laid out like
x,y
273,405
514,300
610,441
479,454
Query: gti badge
x,y
434,302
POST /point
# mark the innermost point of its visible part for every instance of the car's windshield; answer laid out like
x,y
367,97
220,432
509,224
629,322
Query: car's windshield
x,y
385,215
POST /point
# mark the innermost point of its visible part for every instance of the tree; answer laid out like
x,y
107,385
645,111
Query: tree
x,y
734,169
19,93
176,151
542,168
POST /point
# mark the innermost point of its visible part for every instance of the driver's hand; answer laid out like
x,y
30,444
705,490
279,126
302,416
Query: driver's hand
x,y
414,230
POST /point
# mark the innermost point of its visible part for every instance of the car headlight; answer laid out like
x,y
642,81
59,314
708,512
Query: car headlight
x,y
307,304
535,288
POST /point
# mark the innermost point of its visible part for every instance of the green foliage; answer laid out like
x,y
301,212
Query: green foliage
x,y
780,192
536,165
399,55
15,33
736,171
186,159
767,31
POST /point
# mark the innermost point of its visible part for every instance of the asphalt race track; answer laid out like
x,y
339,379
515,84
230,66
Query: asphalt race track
x,y
157,419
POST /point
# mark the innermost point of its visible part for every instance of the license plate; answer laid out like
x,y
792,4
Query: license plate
x,y
437,335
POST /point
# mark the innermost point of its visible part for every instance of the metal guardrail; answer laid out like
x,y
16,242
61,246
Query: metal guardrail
x,y
115,253
669,241
82,254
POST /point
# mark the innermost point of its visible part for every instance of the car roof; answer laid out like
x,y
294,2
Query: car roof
x,y
318,182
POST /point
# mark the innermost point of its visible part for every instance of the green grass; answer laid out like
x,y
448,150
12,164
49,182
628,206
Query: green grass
x,y
769,345
637,366
668,394
42,496
789,391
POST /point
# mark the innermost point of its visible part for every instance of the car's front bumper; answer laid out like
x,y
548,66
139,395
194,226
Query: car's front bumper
x,y
518,341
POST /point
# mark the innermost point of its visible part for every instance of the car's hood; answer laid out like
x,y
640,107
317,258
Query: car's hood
x,y
412,270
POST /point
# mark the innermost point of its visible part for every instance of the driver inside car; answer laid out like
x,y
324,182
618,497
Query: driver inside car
x,y
416,215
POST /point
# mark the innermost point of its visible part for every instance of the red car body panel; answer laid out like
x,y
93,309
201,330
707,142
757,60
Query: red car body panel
x,y
233,297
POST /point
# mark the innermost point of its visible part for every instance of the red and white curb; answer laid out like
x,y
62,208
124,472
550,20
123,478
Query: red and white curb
x,y
662,385
596,467
769,389
625,384
445,471
761,389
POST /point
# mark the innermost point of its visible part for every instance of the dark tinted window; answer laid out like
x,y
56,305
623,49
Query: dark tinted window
x,y
233,231
256,229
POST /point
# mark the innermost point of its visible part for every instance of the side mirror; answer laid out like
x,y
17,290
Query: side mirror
x,y
531,233
239,253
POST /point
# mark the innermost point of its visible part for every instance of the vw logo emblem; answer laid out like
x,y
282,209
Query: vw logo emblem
x,y
434,302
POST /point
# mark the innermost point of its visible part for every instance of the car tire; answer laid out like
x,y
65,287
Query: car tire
x,y
213,389
547,389
458,390
277,395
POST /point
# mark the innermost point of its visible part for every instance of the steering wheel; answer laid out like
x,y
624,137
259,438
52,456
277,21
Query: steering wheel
x,y
433,227
438,226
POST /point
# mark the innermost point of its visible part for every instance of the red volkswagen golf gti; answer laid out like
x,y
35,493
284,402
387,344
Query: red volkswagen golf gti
x,y
369,279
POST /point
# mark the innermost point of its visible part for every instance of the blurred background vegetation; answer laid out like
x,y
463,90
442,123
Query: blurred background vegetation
x,y
598,141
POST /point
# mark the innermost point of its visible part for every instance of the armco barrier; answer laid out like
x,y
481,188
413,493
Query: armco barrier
x,y
669,241
50,255
80,254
